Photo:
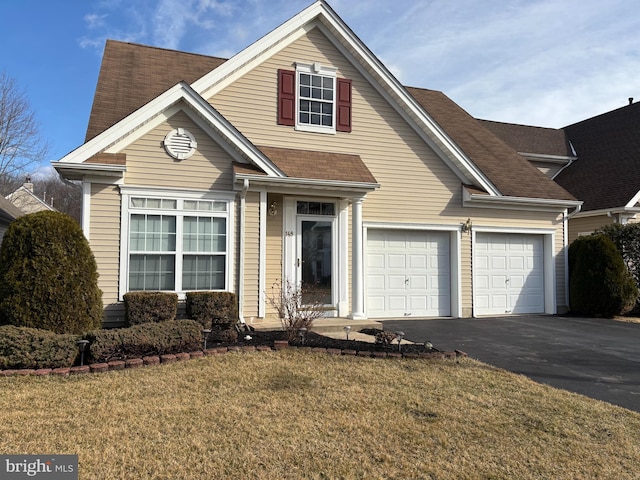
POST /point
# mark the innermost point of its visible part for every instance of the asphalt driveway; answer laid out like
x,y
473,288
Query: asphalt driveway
x,y
599,358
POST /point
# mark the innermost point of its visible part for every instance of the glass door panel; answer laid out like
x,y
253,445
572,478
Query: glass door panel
x,y
316,257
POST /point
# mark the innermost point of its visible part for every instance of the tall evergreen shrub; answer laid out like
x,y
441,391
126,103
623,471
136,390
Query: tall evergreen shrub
x,y
599,281
48,275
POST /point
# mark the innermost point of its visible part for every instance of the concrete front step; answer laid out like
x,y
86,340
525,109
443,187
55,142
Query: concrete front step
x,y
326,325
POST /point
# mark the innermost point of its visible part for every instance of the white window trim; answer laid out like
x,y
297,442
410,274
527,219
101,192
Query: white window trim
x,y
316,69
125,214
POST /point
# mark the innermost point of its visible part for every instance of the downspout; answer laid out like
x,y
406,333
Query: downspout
x,y
243,196
566,253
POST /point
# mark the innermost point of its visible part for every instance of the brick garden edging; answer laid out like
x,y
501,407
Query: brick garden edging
x,y
178,357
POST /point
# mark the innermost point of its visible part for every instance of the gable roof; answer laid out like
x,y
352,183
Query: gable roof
x,y
509,171
607,172
8,211
139,74
27,201
527,139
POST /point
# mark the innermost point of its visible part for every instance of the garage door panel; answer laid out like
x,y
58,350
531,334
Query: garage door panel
x,y
415,270
418,282
508,273
397,302
396,282
396,261
376,282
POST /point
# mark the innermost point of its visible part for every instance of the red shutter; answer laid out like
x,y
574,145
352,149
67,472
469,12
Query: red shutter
x,y
343,114
286,97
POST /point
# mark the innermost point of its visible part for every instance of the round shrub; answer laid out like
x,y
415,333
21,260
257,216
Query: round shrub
x,y
48,275
599,282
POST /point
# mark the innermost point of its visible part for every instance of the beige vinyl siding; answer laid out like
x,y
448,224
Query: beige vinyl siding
x,y
585,225
466,282
104,237
252,255
273,273
209,168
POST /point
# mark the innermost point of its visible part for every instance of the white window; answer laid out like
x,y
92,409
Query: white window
x,y
176,244
316,97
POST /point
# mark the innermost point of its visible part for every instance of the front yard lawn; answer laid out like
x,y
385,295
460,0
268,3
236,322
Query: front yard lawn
x,y
293,414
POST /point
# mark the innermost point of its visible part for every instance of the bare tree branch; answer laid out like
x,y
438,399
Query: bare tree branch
x,y
21,145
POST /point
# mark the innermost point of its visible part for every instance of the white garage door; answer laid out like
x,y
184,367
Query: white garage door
x,y
408,274
508,273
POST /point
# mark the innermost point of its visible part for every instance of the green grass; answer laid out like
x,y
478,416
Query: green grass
x,y
293,414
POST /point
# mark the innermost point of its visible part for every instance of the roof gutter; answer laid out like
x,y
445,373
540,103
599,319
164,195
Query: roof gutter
x,y
517,203
264,180
75,171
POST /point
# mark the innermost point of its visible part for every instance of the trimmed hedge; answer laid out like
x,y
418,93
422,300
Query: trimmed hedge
x,y
599,281
48,275
23,347
150,307
212,308
147,339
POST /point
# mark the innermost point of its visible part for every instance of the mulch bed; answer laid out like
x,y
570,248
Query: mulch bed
x,y
315,340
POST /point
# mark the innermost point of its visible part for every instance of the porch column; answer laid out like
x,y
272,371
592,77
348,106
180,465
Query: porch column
x,y
357,252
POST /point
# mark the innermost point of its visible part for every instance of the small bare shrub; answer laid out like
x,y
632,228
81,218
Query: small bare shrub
x,y
385,337
297,306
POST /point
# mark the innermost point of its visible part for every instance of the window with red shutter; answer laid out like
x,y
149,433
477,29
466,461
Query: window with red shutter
x,y
286,97
313,99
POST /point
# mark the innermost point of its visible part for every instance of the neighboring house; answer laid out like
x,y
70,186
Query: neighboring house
x,y
8,213
596,160
26,200
302,157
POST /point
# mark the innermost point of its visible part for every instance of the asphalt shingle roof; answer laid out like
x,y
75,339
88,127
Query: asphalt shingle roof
x,y
607,171
132,75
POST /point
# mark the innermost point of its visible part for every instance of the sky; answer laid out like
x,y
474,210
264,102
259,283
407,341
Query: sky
x,y
547,63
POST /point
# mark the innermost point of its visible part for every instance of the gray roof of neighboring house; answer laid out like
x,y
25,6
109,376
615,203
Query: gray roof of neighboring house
x,y
607,171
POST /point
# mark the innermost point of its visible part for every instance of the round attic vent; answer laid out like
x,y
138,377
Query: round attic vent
x,y
180,143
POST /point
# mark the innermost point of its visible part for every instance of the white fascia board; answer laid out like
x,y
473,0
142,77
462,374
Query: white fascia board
x,y
263,180
77,171
634,200
322,16
608,211
517,203
147,117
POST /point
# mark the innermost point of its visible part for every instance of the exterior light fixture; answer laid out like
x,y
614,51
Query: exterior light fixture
x,y
399,337
466,226
273,208
205,336
347,329
82,346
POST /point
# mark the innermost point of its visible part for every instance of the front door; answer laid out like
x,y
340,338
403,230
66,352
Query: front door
x,y
315,262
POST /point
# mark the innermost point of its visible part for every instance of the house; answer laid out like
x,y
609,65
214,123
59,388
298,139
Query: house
x,y
303,158
595,159
8,213
26,200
